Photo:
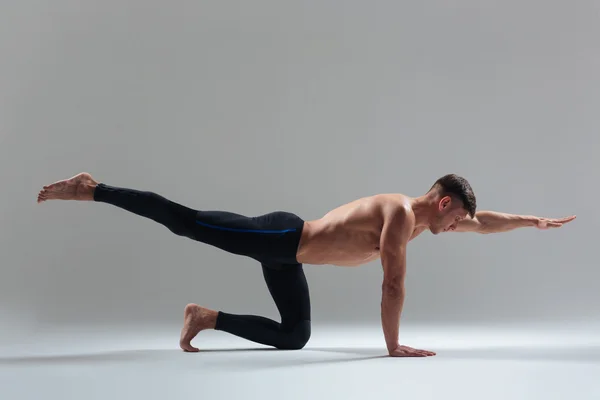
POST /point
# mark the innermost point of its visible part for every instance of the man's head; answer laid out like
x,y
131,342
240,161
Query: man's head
x,y
453,200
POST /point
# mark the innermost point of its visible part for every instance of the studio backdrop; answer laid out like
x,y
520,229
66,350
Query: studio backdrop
x,y
253,107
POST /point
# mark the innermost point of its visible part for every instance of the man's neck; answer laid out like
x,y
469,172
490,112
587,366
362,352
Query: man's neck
x,y
422,207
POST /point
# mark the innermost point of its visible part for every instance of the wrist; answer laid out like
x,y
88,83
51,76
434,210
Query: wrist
x,y
532,220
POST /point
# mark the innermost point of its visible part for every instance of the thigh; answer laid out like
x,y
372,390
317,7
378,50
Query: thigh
x,y
227,231
289,289
269,238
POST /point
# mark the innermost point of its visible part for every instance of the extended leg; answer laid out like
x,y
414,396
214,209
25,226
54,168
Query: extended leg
x,y
289,289
267,237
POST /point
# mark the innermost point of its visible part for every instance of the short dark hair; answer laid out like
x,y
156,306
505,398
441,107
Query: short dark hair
x,y
457,186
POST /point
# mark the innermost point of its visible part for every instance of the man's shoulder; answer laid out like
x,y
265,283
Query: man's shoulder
x,y
395,208
396,203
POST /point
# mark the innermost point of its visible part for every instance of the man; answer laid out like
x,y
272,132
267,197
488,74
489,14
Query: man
x,y
355,233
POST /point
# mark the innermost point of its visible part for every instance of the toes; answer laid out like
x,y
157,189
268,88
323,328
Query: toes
x,y
187,347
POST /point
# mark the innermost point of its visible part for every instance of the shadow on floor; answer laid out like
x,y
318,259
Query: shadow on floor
x,y
243,358
100,357
265,358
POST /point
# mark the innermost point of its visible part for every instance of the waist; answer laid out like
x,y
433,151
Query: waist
x,y
322,244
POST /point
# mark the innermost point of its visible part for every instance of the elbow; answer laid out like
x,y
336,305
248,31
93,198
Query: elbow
x,y
484,229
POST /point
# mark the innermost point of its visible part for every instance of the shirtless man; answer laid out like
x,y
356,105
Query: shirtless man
x,y
356,233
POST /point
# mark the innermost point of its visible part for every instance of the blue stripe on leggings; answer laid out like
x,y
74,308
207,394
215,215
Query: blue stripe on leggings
x,y
244,230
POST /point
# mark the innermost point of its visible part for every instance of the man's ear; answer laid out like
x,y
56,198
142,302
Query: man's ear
x,y
445,203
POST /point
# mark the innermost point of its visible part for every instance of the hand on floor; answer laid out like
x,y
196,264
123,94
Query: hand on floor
x,y
405,351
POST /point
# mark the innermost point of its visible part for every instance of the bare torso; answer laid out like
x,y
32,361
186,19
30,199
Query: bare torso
x,y
348,235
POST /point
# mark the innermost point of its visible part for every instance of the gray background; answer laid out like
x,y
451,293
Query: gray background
x,y
301,106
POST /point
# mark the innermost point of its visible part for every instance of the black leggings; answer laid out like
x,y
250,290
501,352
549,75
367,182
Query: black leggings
x,y
271,239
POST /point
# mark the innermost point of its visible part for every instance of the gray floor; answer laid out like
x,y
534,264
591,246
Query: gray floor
x,y
343,362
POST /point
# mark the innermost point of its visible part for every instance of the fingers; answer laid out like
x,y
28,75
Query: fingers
x,y
412,354
406,351
427,353
419,354
555,222
562,220
566,219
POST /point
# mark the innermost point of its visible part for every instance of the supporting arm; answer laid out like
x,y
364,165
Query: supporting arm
x,y
392,299
397,229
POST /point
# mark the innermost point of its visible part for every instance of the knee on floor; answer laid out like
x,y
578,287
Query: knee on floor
x,y
297,338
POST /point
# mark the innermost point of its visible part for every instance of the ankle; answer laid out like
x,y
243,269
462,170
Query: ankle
x,y
211,319
88,190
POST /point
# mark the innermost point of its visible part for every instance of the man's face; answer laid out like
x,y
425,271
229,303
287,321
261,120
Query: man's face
x,y
448,213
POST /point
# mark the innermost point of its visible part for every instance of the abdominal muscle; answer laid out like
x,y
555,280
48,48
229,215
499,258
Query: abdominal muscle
x,y
346,236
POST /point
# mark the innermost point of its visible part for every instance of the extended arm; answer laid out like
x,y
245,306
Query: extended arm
x,y
494,222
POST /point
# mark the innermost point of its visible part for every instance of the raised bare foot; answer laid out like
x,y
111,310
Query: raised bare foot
x,y
79,187
195,319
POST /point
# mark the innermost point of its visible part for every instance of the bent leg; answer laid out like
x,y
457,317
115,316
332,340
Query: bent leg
x,y
289,289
